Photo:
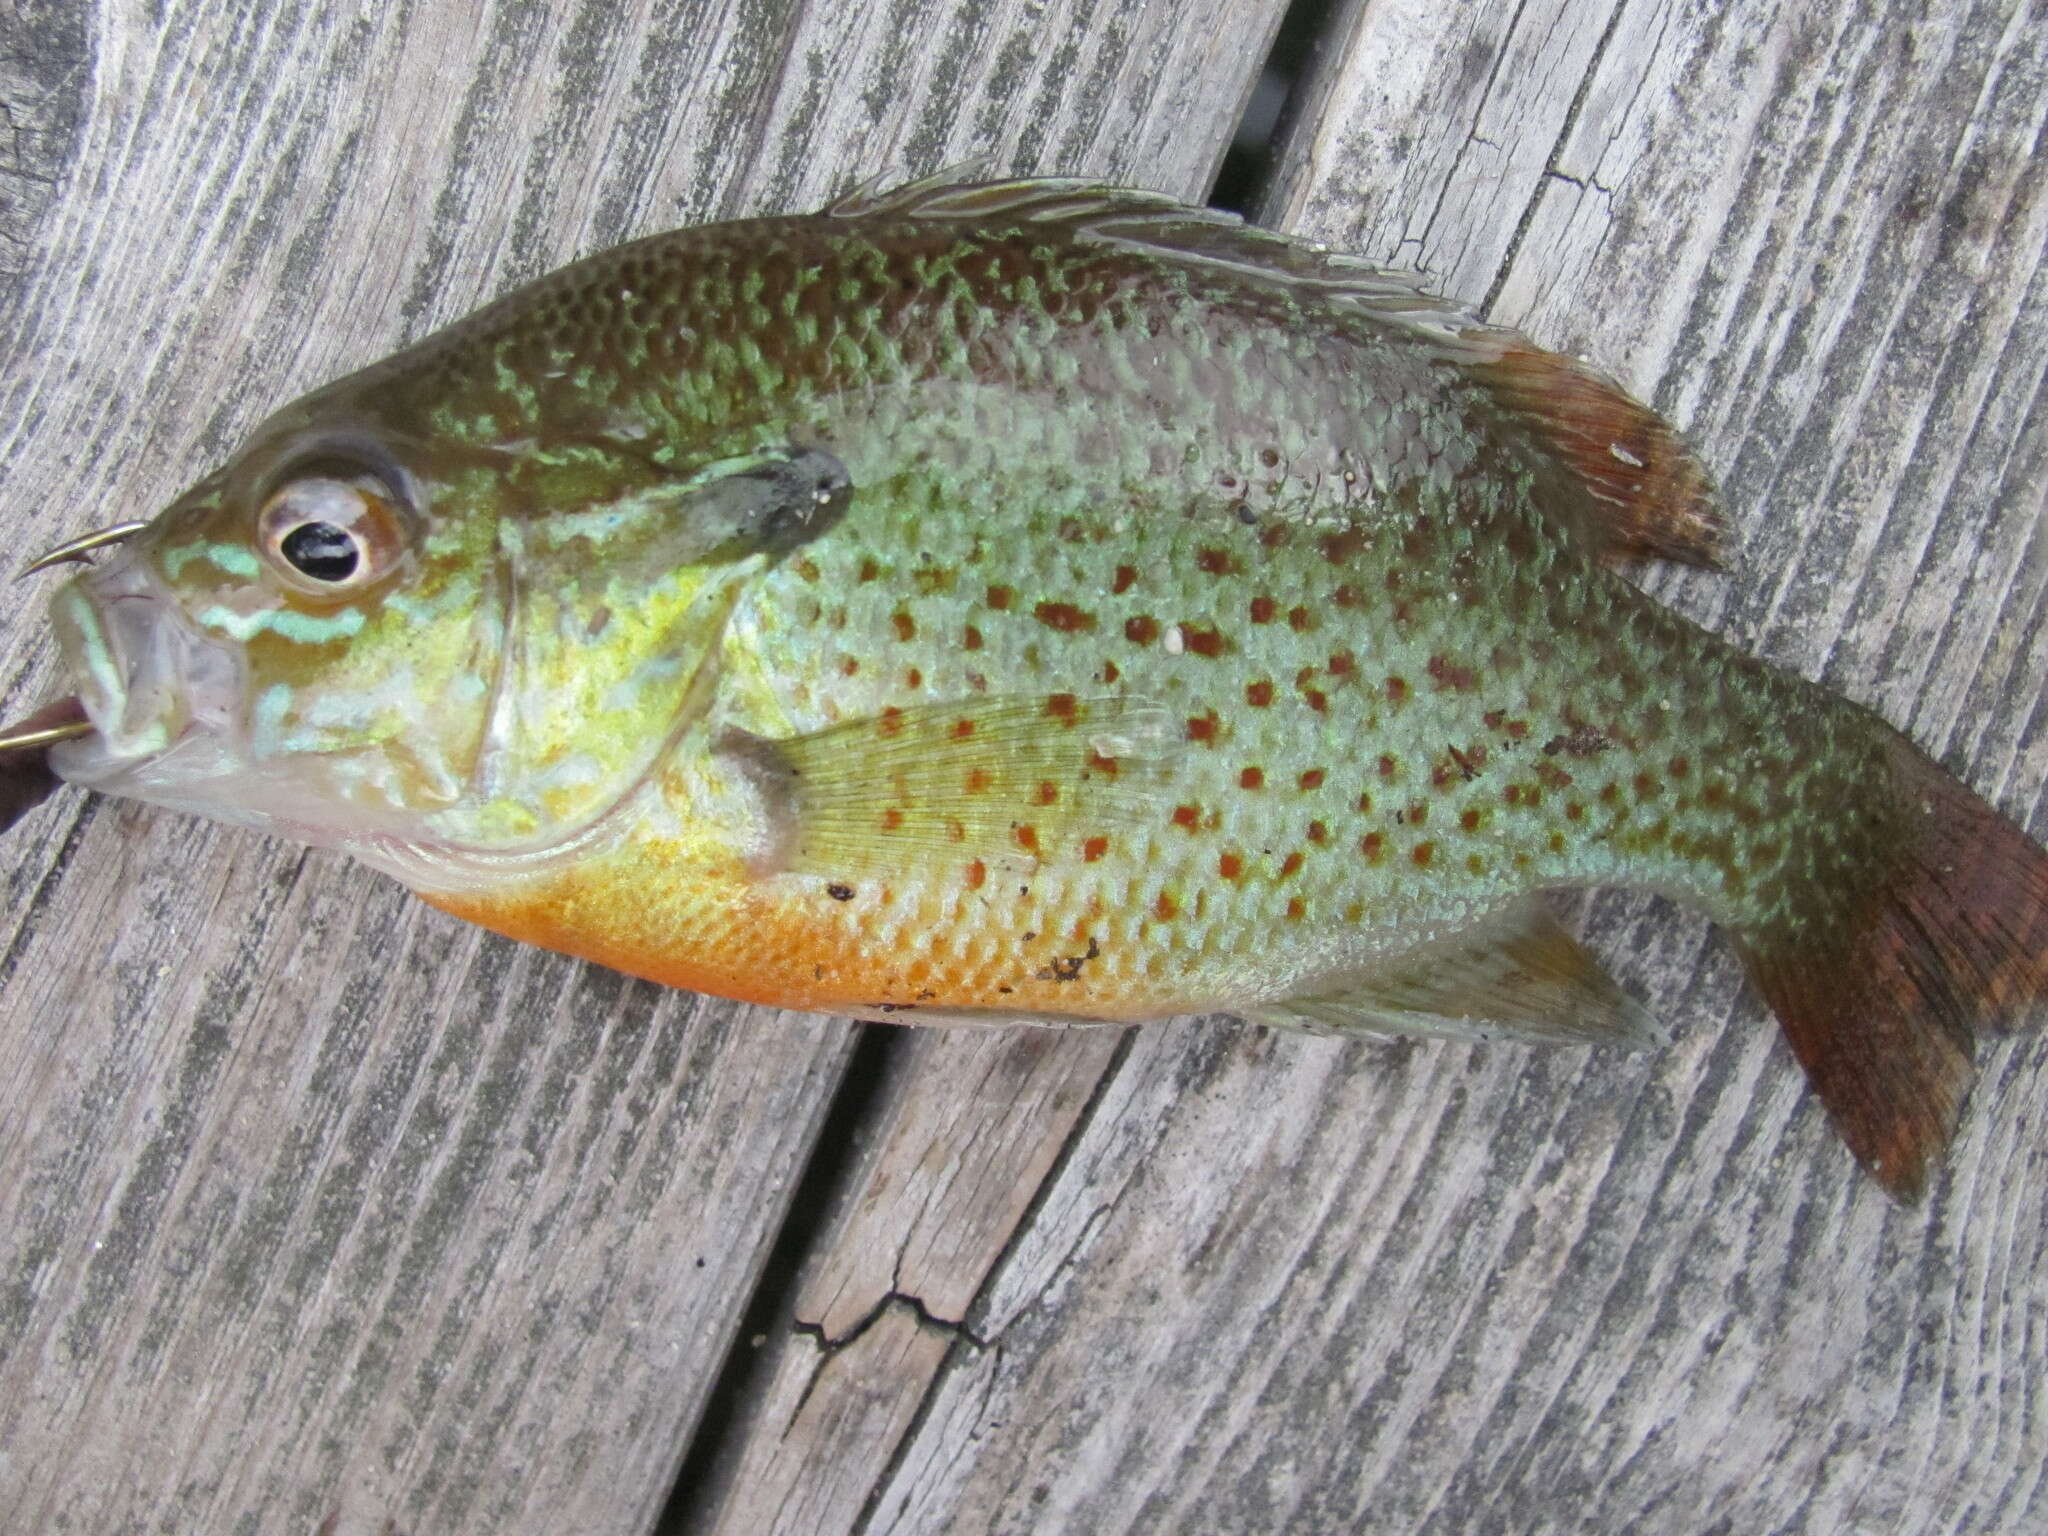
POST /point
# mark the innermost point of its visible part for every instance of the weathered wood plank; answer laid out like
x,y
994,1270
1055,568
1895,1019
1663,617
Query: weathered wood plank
x,y
963,1140
316,1206
1277,1283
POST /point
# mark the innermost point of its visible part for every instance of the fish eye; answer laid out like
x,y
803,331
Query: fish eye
x,y
328,536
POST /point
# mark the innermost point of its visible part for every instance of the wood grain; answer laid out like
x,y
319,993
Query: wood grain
x,y
1285,1284
319,1210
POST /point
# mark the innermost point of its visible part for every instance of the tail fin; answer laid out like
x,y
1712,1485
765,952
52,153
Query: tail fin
x,y
1881,997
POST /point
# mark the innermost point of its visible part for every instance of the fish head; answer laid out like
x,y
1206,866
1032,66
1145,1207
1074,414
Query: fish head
x,y
304,641
447,655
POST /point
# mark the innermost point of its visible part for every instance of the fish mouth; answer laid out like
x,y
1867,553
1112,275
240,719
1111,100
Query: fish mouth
x,y
153,689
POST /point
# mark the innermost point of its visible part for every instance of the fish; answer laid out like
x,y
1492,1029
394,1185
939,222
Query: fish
x,y
1038,601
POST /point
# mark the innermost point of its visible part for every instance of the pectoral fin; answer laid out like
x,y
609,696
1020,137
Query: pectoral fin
x,y
1010,782
1516,974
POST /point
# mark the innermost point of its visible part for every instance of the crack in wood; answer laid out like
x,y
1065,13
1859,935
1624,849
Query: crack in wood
x,y
1572,113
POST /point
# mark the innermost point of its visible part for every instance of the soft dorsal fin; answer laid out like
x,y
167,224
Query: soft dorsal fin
x,y
1517,974
1640,491
1628,484
1006,782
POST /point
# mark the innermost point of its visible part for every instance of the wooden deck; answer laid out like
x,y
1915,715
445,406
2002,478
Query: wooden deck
x,y
321,1211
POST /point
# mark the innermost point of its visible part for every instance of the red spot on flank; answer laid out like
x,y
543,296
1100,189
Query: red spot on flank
x,y
1469,821
892,818
1297,909
971,639
1109,672
1387,766
1165,907
1229,866
1298,620
1027,838
1216,562
906,626
1000,598
1313,779
1048,792
1365,805
1680,767
978,781
1446,674
956,830
1372,845
1397,690
1063,707
1342,664
1203,727
1102,765
1093,849
1064,617
912,678
1347,596
808,569
1141,630
890,724
1201,641
1422,853
1263,610
1318,833
1339,548
977,872
1291,865
1318,700
1574,810
869,570
849,666
1126,577
1187,816
1252,778
1258,695
962,729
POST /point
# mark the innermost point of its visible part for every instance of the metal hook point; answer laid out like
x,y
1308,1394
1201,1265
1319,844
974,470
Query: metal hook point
x,y
80,547
47,736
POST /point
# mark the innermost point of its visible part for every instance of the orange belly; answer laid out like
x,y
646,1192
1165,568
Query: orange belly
x,y
877,950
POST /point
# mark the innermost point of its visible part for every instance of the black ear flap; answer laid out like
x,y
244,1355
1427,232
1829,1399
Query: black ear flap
x,y
657,517
772,501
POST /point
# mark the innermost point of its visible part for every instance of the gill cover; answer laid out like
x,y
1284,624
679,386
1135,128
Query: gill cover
x,y
613,613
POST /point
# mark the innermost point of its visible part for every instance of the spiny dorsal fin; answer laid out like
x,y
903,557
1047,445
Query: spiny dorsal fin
x,y
1164,225
1517,974
1008,783
1631,486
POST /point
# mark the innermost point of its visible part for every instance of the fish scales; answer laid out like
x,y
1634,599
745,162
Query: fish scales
x,y
1246,564
1039,601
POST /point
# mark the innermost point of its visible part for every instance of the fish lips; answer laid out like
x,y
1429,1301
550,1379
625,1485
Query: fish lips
x,y
157,692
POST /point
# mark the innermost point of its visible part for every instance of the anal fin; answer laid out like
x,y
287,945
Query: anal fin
x,y
1516,974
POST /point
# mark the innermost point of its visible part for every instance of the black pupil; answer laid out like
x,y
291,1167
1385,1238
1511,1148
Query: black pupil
x,y
321,551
